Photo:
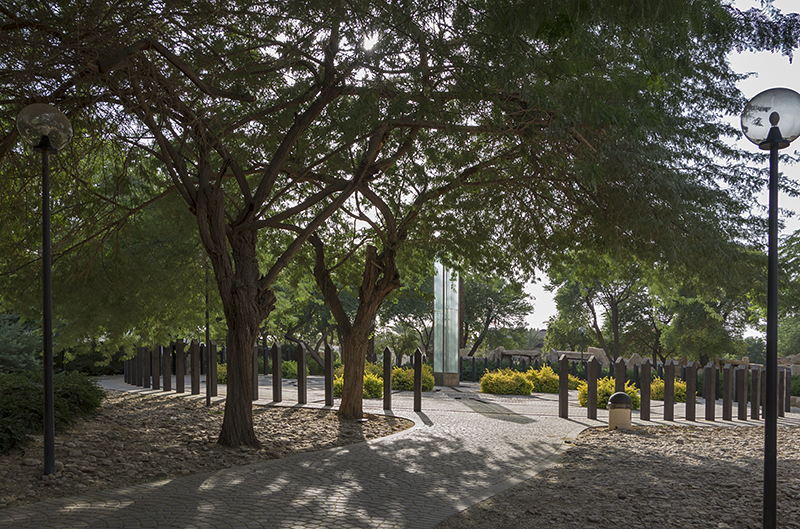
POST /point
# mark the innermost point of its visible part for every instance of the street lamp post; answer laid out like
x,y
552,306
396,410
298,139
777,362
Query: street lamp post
x,y
48,131
582,330
771,120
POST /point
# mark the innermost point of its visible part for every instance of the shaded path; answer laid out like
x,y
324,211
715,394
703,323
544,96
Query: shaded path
x,y
464,447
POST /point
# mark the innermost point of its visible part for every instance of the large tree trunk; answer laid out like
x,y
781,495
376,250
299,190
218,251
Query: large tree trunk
x,y
246,305
354,355
379,280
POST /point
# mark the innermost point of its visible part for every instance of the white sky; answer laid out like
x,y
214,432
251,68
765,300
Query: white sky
x,y
772,70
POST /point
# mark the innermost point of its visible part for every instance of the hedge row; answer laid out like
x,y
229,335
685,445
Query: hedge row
x,y
22,410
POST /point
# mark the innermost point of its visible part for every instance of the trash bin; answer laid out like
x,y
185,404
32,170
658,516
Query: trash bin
x,y
620,407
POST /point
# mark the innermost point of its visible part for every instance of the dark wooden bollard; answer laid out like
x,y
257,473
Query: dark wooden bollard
x,y
180,367
741,389
669,391
167,356
563,387
727,392
155,356
620,373
710,391
212,379
134,369
788,396
591,388
147,362
302,383
691,391
644,391
265,352
194,362
277,361
763,375
418,380
755,392
460,368
328,374
387,379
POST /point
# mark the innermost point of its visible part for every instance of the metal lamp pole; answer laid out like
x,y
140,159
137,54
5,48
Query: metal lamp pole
x,y
48,130
760,120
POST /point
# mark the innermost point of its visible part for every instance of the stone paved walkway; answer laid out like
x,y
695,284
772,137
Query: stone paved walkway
x,y
464,447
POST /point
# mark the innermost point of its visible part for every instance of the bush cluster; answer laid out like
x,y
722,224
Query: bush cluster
x,y
657,390
506,382
606,388
21,410
222,373
289,369
373,386
403,378
545,380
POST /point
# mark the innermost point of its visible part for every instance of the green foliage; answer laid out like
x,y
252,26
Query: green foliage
x,y
373,386
372,389
545,380
403,378
289,369
494,314
21,397
796,386
222,373
657,390
373,369
20,345
506,382
605,388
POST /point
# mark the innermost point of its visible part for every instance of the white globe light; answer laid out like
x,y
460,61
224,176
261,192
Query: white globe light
x,y
776,108
38,120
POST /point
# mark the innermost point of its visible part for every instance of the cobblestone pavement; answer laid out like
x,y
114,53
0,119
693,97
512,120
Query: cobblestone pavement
x,y
465,447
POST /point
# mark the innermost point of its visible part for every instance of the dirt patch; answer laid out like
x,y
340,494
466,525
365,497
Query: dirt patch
x,y
137,439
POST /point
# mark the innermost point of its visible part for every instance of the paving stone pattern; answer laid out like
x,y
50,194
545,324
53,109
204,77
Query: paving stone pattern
x,y
464,448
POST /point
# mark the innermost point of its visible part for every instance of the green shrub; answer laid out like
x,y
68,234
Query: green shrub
x,y
222,373
289,369
605,388
796,386
506,382
403,378
21,410
657,390
373,369
544,380
574,382
338,371
373,386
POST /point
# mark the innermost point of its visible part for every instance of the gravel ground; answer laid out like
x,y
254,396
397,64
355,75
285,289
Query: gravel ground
x,y
653,477
136,439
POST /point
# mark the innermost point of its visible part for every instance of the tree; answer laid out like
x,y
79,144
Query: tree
x,y
273,116
491,304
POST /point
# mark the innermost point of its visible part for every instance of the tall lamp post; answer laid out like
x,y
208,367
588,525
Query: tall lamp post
x,y
771,120
48,130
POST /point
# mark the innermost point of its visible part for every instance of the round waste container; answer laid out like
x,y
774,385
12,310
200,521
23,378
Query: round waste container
x,y
620,407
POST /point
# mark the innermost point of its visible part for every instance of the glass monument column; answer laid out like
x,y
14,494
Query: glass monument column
x,y
445,327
